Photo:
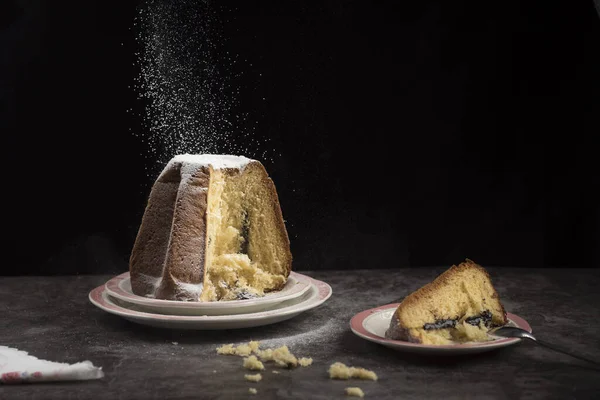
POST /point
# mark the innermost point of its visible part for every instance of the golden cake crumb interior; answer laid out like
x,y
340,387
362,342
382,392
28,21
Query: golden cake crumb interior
x,y
252,390
239,210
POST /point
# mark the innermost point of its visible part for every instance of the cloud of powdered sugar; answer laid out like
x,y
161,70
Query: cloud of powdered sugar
x,y
185,83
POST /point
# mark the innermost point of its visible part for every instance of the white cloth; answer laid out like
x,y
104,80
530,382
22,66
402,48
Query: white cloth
x,y
18,366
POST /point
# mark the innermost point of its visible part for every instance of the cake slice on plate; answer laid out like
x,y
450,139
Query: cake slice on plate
x,y
460,305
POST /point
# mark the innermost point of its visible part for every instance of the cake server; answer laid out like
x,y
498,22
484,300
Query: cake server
x,y
513,332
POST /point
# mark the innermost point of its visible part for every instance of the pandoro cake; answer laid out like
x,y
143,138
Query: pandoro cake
x,y
212,230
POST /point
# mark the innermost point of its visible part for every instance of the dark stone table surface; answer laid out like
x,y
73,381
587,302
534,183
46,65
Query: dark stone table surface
x,y
52,318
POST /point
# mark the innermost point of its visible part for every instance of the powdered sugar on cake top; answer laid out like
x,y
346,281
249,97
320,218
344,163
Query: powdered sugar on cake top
x,y
218,161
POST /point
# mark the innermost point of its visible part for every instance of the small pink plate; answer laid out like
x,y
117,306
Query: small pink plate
x,y
317,294
372,324
120,287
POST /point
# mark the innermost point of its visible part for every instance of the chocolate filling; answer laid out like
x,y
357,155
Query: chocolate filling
x,y
244,230
485,316
440,324
245,295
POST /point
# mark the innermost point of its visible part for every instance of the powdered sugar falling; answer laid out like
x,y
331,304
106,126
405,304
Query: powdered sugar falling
x,y
190,103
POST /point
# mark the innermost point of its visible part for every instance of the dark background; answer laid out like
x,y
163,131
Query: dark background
x,y
404,134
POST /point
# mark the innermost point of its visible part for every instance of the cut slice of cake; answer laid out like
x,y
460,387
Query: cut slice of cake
x,y
212,230
460,305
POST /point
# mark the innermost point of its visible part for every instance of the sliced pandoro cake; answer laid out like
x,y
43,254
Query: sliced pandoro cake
x,y
212,230
460,305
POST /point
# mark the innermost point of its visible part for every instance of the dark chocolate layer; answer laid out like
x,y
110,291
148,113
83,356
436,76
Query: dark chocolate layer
x,y
440,324
485,316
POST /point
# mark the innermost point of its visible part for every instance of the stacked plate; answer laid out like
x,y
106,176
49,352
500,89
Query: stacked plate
x,y
301,293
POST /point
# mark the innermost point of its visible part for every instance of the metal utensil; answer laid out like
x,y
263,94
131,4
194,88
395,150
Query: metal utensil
x,y
513,332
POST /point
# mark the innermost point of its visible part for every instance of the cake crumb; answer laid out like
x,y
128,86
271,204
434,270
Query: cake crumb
x,y
340,371
280,355
252,390
275,371
244,349
253,378
253,363
355,391
305,361
226,349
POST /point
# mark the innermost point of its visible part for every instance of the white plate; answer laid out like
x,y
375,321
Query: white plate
x,y
371,325
317,294
120,287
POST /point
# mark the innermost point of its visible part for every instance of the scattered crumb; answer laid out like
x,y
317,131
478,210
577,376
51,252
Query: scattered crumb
x,y
226,349
254,344
214,371
175,343
265,355
283,357
247,349
305,361
280,355
340,371
243,350
254,357
253,363
253,378
355,391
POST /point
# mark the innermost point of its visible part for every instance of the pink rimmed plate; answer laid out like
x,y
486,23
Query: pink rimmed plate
x,y
371,325
119,287
317,294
